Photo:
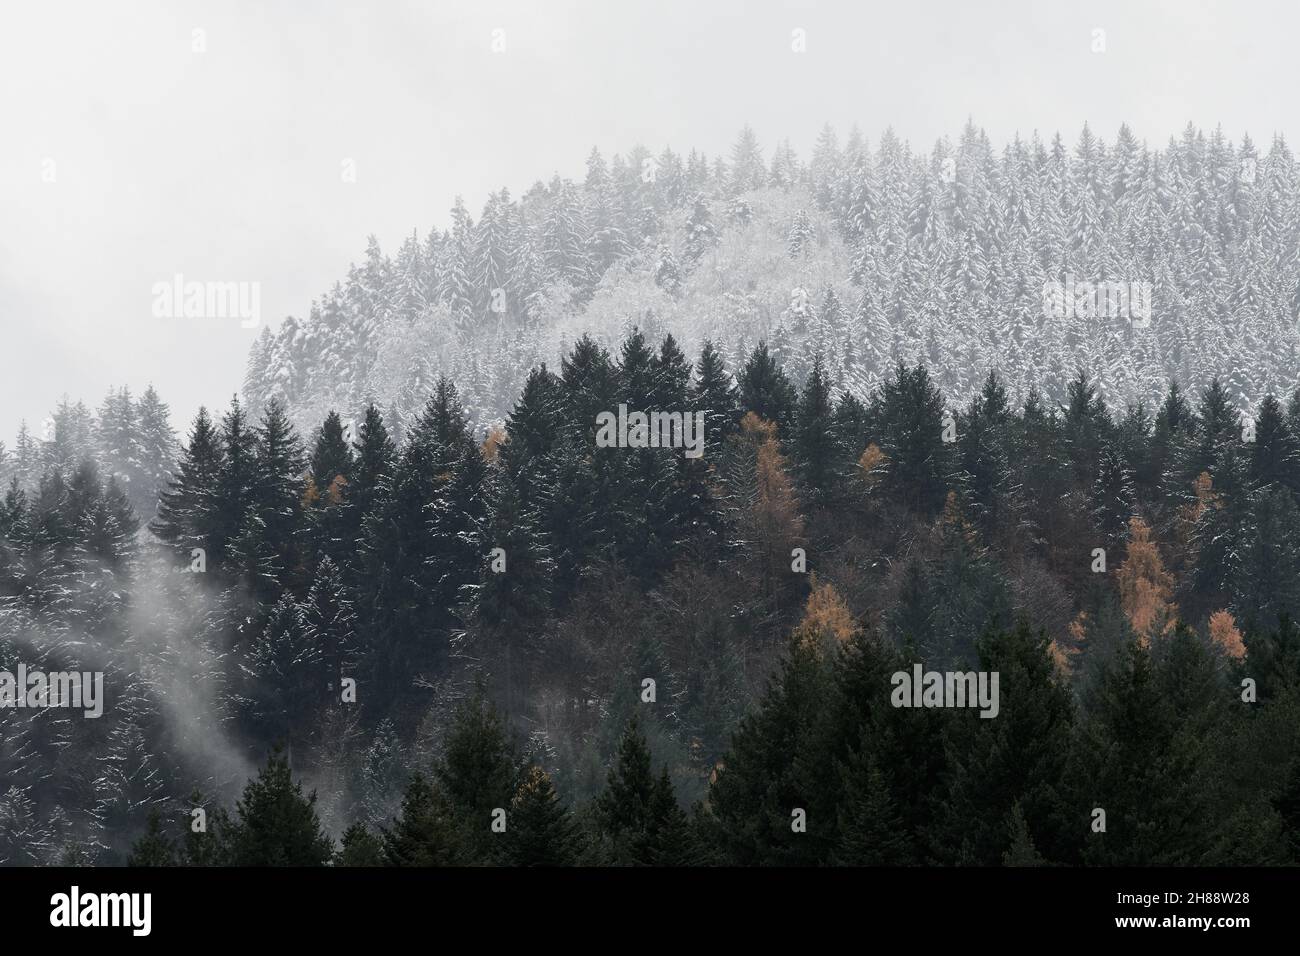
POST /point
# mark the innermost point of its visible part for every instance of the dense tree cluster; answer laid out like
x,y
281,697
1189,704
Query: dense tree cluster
x,y
130,439
865,254
436,627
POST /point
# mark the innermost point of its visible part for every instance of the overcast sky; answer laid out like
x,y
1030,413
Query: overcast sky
x,y
225,165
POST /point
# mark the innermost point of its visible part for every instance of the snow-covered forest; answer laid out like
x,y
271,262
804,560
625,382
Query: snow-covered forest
x,y
397,591
865,252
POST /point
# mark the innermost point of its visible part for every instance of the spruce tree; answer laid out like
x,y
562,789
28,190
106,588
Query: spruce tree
x,y
479,772
331,460
331,623
871,831
359,847
154,847
765,390
780,762
374,457
814,447
541,830
278,485
637,815
425,833
910,414
275,824
235,487
1275,456
187,515
1015,761
157,449
1145,770
288,675
714,393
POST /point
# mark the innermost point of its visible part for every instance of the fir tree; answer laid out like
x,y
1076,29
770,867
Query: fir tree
x,y
359,847
154,848
188,511
541,831
814,446
275,824
425,833
765,391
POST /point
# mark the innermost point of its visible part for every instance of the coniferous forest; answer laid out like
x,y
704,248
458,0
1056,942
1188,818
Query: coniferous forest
x,y
399,604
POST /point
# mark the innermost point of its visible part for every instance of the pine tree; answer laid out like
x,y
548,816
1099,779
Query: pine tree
x,y
714,393
331,459
236,479
288,674
871,833
154,848
772,771
188,515
911,415
1275,457
331,623
983,445
1085,424
211,844
275,825
668,273
278,485
668,839
533,428
765,391
117,438
801,236
967,590
157,452
637,815
1021,851
479,772
374,458
1112,498
541,830
701,235
508,607
425,833
456,520
747,171
1013,764
359,847
814,447
1144,770
411,572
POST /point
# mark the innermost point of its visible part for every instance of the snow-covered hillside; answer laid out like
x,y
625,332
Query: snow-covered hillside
x,y
868,253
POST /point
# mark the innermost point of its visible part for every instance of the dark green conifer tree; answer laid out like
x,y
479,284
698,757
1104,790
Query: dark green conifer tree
x,y
275,824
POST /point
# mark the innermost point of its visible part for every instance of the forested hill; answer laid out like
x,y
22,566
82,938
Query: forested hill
x,y
867,252
470,603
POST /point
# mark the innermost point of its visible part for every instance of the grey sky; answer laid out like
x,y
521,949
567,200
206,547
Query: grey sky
x,y
225,165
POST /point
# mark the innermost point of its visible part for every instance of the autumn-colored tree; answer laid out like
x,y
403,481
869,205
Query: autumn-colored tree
x,y
827,621
1224,633
1189,516
871,465
1146,588
1065,653
334,493
491,447
770,520
310,494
